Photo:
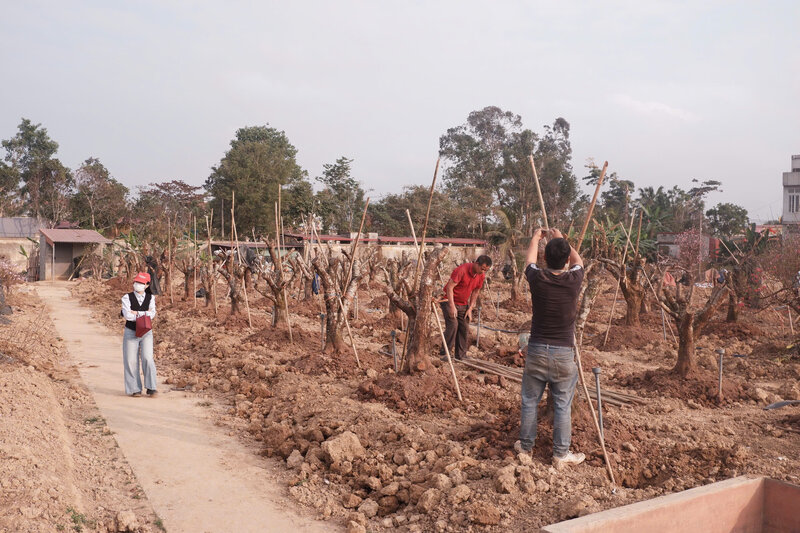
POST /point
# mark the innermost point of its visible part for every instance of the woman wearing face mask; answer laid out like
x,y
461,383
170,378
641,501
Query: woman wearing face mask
x,y
138,303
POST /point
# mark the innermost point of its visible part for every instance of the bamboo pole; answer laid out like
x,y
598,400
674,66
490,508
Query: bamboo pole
x,y
639,233
575,343
236,237
212,277
539,192
355,246
420,255
169,257
447,351
413,233
591,207
279,266
619,282
194,263
282,238
594,415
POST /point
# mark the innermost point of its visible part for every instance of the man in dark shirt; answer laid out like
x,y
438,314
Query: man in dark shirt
x,y
551,353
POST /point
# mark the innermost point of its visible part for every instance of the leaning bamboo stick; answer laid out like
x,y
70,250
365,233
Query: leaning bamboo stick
x,y
169,257
594,415
420,256
194,263
279,266
539,192
447,351
591,208
211,276
355,246
244,285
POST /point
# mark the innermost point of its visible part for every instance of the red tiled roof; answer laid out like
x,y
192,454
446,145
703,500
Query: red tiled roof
x,y
73,236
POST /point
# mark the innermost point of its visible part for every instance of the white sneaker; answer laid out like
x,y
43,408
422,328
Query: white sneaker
x,y
569,459
519,449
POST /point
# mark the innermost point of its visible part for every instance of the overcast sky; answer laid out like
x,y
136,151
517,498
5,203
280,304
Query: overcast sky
x,y
665,91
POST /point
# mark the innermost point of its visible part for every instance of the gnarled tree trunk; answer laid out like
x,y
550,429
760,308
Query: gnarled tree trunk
x,y
332,272
419,313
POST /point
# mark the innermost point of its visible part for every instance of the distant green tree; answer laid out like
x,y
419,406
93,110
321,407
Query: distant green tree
x,y
341,202
160,206
388,216
99,201
486,165
727,220
46,183
260,160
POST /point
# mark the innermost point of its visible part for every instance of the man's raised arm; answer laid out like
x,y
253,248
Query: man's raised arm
x,y
533,248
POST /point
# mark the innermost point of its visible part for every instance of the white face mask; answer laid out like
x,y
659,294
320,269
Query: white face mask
x,y
138,287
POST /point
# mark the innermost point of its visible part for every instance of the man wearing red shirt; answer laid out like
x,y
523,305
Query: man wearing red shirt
x,y
461,293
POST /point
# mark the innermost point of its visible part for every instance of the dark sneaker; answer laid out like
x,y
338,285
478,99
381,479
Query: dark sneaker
x,y
136,394
151,392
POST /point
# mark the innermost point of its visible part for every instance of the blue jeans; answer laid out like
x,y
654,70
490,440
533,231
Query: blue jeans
x,y
554,366
135,350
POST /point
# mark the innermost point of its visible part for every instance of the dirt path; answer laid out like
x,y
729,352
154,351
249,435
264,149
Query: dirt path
x,y
197,478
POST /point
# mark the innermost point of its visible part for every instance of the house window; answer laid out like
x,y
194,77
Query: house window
x,y
794,203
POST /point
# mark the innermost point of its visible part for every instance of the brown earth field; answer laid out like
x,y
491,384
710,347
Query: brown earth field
x,y
60,467
373,450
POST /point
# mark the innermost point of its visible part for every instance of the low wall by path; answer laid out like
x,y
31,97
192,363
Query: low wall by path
x,y
746,504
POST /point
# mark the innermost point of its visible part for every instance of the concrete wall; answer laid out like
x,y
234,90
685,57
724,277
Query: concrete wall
x,y
9,248
746,504
457,253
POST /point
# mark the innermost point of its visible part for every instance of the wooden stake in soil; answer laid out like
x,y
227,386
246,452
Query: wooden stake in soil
x,y
447,351
236,237
539,192
591,207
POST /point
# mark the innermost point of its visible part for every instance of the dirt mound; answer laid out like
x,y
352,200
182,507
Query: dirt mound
x,y
741,330
624,337
427,393
700,386
119,284
522,303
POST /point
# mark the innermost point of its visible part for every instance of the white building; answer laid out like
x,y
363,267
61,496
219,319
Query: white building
x,y
791,193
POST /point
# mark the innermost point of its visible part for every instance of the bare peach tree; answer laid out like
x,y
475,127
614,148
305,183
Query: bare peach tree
x,y
418,308
338,290
276,281
398,274
689,317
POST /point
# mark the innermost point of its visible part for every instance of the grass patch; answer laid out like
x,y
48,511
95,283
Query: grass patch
x,y
79,520
160,524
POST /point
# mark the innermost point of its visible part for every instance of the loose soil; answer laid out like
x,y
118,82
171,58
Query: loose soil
x,y
364,447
